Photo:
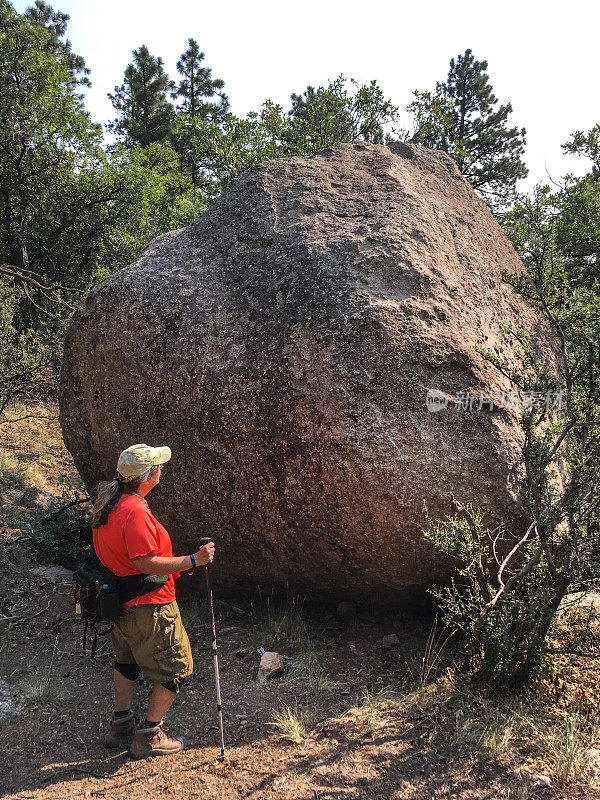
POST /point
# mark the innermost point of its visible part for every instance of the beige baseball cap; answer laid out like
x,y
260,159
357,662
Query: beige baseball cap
x,y
137,460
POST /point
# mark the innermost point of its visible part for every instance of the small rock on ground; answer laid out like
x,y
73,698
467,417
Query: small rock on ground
x,y
271,665
54,574
541,782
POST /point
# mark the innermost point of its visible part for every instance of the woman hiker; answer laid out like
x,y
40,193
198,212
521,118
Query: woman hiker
x,y
149,634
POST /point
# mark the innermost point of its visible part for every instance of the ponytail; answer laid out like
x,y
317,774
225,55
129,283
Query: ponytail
x,y
109,493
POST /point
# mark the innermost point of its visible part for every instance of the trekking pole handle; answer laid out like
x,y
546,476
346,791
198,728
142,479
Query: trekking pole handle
x,y
203,541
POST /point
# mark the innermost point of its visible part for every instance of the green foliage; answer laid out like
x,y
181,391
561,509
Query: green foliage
x,y
462,118
280,628
55,23
577,206
197,84
57,542
511,588
505,640
586,143
46,138
432,118
160,199
220,150
329,114
144,113
193,92
23,354
71,489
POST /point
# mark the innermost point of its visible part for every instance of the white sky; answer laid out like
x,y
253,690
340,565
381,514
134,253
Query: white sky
x,y
543,58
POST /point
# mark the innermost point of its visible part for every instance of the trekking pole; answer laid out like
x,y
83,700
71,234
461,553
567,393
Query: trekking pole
x,y
204,541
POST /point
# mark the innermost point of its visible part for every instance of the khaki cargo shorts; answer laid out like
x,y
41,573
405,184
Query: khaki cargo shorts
x,y
153,637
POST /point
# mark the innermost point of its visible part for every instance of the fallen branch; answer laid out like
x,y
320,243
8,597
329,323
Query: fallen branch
x,y
29,416
21,620
57,514
61,771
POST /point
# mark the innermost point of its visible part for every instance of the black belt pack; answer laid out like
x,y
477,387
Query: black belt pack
x,y
99,593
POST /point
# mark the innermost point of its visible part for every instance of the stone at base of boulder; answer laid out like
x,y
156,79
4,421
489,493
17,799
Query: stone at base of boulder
x,y
54,574
541,782
271,665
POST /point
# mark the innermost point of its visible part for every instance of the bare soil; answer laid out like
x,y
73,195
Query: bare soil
x,y
419,732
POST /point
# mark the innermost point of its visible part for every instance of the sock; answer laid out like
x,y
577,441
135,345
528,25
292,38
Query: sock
x,y
149,724
121,714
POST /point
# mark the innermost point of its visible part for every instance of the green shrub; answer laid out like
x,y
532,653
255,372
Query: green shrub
x,y
57,542
506,639
25,351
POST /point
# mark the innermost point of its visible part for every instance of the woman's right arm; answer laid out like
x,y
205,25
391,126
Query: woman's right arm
x,y
165,565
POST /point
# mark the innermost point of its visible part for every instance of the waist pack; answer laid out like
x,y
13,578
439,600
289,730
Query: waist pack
x,y
99,593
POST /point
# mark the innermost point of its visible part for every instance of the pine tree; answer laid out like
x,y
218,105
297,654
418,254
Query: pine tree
x,y
474,131
55,23
141,100
578,229
195,86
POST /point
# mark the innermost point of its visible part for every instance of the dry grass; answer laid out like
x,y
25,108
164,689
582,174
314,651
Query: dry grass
x,y
371,701
41,689
434,650
45,687
319,683
293,724
564,742
492,732
13,474
307,664
195,612
370,707
281,628
35,455
10,665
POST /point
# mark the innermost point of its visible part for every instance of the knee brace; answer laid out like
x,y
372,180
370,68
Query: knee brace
x,y
174,685
129,671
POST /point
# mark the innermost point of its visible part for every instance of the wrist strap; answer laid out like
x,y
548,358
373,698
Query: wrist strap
x,y
193,559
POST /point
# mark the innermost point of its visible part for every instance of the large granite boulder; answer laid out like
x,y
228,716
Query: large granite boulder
x,y
283,346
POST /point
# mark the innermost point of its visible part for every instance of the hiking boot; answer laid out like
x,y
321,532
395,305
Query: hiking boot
x,y
155,742
120,731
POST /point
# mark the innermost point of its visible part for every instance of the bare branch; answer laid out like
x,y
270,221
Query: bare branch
x,y
29,416
518,545
25,279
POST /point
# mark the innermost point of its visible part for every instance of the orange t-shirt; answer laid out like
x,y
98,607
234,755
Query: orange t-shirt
x,y
132,531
